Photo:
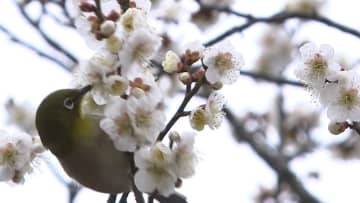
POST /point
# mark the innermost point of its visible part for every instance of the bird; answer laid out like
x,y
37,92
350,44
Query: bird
x,y
83,149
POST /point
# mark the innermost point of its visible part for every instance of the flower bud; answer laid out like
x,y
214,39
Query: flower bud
x,y
198,73
87,7
198,119
178,183
137,92
337,128
113,44
107,28
171,62
185,78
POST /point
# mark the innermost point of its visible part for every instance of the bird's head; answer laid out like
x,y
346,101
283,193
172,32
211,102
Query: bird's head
x,y
57,118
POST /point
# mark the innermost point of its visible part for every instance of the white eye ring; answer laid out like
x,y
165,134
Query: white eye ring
x,y
69,103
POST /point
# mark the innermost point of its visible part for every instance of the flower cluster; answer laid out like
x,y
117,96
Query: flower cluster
x,y
129,100
336,87
161,168
17,151
211,115
220,66
125,93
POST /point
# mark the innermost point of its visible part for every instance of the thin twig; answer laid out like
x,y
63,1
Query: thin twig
x,y
273,158
280,18
36,25
180,111
150,199
276,80
98,11
41,53
124,197
355,126
138,194
112,198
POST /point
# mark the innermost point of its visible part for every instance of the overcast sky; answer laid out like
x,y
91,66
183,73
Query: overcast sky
x,y
228,171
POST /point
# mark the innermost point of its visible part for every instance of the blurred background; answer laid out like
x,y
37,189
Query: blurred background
x,y
274,145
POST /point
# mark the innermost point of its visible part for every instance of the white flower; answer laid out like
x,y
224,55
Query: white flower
x,y
139,48
336,128
317,64
211,115
344,102
276,52
185,156
143,80
144,5
155,170
107,28
83,25
114,43
172,11
116,85
94,72
147,120
171,62
133,19
193,51
15,156
223,63
90,26
213,110
21,115
304,6
198,118
118,126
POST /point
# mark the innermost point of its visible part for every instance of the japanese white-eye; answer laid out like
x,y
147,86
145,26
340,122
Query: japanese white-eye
x,y
86,153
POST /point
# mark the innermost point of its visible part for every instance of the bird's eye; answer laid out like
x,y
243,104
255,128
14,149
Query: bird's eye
x,y
69,103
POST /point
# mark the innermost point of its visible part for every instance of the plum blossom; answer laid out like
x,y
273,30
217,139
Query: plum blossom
x,y
223,63
90,27
16,153
139,48
172,11
184,155
317,64
96,72
146,118
171,62
213,109
211,114
133,19
304,6
198,118
118,126
155,170
343,98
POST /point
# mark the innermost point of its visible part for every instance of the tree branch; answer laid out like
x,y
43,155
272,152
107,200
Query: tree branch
x,y
36,25
41,53
278,81
272,157
112,198
281,18
180,111
124,197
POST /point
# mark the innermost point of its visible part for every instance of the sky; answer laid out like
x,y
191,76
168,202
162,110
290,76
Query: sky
x,y
228,171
